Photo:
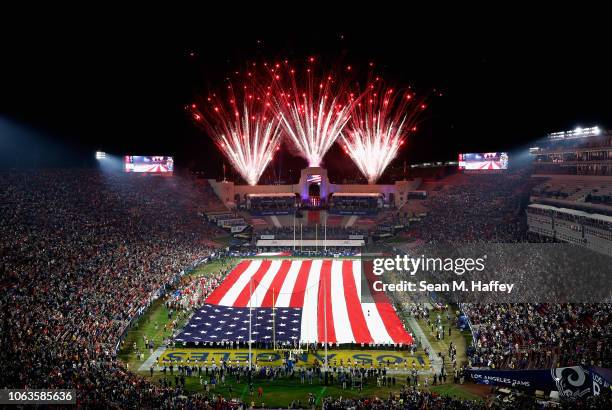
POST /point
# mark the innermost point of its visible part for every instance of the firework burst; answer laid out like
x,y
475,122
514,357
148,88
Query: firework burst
x,y
312,109
379,125
243,125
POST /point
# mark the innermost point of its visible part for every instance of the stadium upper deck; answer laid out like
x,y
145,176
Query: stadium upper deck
x,y
579,152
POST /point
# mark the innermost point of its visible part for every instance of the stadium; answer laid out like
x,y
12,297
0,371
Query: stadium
x,y
305,258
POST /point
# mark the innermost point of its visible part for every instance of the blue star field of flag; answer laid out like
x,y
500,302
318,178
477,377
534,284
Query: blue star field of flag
x,y
214,323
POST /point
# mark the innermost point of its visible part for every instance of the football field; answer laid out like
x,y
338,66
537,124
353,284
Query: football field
x,y
281,392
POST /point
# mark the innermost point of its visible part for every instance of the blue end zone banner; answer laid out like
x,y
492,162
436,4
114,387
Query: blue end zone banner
x,y
574,381
602,379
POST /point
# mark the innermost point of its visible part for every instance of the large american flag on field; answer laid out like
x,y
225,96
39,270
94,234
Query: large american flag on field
x,y
286,295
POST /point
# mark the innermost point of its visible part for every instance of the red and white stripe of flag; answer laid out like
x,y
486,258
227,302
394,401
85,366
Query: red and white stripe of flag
x,y
328,291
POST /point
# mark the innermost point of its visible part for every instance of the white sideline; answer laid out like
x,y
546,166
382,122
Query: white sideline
x,y
151,359
418,333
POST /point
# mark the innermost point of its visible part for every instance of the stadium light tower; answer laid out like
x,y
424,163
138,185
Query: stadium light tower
x,y
100,155
578,132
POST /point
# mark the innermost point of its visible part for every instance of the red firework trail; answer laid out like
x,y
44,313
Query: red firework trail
x,y
243,124
380,123
312,108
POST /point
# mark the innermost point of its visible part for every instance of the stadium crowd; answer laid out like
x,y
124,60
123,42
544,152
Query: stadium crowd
x,y
406,399
192,294
82,254
477,208
520,336
412,399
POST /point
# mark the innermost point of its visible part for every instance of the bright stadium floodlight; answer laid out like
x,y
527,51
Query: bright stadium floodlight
x,y
100,155
578,132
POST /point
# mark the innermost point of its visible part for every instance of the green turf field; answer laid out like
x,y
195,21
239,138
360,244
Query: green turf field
x,y
454,390
281,392
211,267
460,339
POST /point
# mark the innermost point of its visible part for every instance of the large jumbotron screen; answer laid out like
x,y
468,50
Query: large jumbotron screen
x,y
149,164
483,161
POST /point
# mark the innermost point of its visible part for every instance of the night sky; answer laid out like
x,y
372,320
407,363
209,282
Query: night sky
x,y
69,89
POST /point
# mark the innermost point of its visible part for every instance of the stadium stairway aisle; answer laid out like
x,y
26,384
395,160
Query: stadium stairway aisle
x,y
351,221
